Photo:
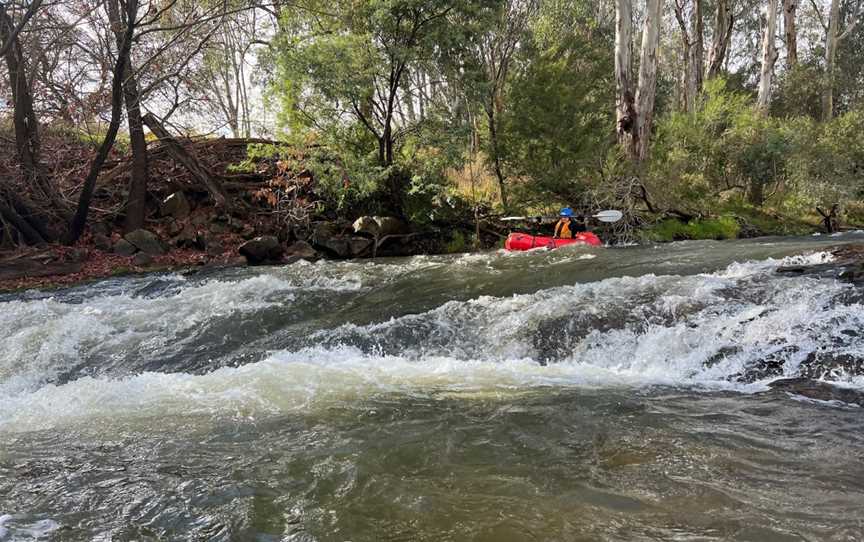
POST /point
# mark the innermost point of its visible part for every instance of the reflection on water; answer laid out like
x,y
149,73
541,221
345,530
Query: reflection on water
x,y
587,394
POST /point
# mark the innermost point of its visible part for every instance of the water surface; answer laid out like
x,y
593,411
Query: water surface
x,y
577,394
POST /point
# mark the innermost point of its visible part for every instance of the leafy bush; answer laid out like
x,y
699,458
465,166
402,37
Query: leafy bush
x,y
725,227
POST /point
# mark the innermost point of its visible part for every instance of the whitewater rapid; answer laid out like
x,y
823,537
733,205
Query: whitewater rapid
x,y
123,357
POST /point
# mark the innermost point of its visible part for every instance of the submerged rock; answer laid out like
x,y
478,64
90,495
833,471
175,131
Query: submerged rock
x,y
820,391
260,250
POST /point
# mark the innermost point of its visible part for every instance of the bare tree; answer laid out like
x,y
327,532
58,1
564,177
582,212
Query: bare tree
x,y
136,204
79,221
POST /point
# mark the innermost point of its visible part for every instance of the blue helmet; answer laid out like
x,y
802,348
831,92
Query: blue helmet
x,y
566,211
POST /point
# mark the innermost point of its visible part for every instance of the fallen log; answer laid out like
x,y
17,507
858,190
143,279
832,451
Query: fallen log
x,y
179,153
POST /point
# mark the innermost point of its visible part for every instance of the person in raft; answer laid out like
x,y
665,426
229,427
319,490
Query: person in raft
x,y
567,225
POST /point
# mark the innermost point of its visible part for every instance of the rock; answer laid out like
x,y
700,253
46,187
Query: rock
x,y
820,391
145,241
367,225
175,205
175,227
102,242
346,246
199,220
261,250
190,238
76,255
389,225
302,250
214,246
100,228
379,226
141,259
124,248
322,231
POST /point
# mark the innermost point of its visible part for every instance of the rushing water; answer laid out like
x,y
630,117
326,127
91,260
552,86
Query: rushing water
x,y
577,394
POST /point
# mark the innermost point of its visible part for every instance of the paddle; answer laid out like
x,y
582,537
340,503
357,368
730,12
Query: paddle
x,y
602,216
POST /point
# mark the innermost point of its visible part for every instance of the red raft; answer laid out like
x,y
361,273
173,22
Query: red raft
x,y
523,241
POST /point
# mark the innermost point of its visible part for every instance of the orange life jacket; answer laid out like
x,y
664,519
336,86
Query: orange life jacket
x,y
562,229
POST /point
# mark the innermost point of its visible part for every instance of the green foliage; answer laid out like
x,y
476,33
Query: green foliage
x,y
458,243
556,130
727,150
725,227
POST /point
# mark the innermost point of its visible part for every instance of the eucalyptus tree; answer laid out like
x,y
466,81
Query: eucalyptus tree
x,y
769,56
635,112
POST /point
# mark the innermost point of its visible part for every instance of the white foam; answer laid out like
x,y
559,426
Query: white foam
x,y
667,330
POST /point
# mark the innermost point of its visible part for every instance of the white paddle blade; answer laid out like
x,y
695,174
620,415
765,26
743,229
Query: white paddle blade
x,y
510,218
609,216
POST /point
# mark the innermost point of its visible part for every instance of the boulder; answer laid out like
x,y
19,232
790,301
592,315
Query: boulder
x,y
265,249
145,241
367,225
323,230
190,238
389,225
102,242
124,248
175,227
346,246
141,259
379,226
175,205
302,250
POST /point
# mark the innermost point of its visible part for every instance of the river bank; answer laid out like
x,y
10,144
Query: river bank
x,y
99,257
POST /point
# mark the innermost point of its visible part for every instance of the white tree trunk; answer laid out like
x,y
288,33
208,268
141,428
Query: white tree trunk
x,y
831,42
722,37
790,31
625,110
646,91
769,56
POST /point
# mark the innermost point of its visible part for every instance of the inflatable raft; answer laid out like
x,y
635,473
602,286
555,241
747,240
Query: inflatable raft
x,y
524,241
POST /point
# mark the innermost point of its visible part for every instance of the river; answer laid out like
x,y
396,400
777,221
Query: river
x,y
577,394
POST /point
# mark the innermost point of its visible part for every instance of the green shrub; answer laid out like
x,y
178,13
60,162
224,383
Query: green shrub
x,y
724,227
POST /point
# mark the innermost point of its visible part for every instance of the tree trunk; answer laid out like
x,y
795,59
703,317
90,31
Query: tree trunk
x,y
31,236
646,91
24,118
722,37
831,42
790,31
697,49
625,108
136,204
496,158
76,227
769,57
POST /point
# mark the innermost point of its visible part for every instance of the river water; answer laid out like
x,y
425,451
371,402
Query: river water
x,y
577,394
